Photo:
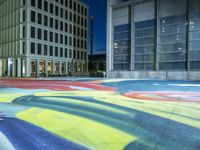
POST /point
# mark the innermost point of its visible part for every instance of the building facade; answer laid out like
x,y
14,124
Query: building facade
x,y
43,37
153,39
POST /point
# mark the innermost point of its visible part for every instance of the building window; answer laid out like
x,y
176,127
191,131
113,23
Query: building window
x,y
32,32
74,42
39,18
24,47
45,35
121,52
39,2
78,8
56,37
32,16
51,22
24,15
86,12
51,50
61,12
45,20
45,50
24,31
66,27
70,29
51,36
61,52
70,16
74,18
66,3
66,14
86,22
78,20
51,8
70,41
56,51
61,25
194,35
82,55
39,48
61,39
66,52
74,6
56,10
46,6
56,24
61,2
66,40
172,39
32,48
74,54
70,4
70,53
39,33
78,55
33,3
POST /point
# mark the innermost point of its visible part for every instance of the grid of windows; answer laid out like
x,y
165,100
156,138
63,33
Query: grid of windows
x,y
61,26
121,51
144,45
194,35
172,40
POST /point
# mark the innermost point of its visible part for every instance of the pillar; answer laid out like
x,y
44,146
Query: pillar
x,y
37,68
46,68
53,67
60,67
27,65
19,67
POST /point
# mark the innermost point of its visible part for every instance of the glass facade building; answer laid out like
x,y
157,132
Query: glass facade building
x,y
153,36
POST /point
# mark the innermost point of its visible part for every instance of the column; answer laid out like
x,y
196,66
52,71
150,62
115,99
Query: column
x,y
14,68
53,67
132,59
46,68
37,68
60,67
27,73
19,67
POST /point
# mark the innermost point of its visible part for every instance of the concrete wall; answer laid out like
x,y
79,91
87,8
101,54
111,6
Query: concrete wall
x,y
161,75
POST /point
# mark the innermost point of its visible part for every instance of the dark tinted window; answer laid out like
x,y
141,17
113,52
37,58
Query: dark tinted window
x,y
45,21
32,16
39,49
39,34
45,35
39,4
39,18
32,48
32,32
51,8
45,6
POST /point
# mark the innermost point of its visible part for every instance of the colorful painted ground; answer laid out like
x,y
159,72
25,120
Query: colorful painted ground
x,y
93,114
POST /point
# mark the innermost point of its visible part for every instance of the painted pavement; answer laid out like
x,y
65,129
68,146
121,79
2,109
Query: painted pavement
x,y
110,114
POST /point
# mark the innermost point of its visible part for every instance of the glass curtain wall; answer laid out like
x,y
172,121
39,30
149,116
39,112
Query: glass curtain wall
x,y
121,49
121,39
172,35
144,18
194,35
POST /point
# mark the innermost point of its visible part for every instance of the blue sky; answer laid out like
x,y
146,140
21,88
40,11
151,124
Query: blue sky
x,y
98,10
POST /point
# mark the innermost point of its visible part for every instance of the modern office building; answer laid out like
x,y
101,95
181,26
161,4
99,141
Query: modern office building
x,y
43,37
153,39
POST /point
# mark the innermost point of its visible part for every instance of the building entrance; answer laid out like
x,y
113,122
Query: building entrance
x,y
33,68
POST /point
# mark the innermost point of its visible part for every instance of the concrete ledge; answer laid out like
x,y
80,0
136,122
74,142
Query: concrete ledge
x,y
161,75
